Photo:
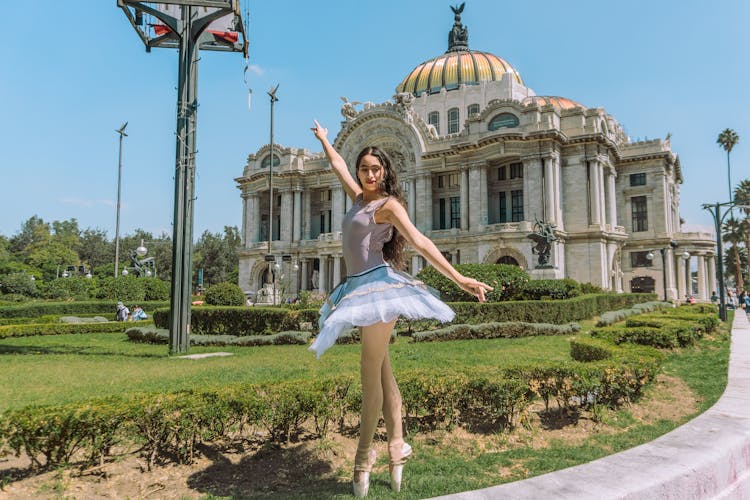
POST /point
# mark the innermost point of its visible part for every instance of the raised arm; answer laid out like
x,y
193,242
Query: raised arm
x,y
337,162
394,213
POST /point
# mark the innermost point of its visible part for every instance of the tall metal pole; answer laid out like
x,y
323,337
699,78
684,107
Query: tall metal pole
x,y
182,255
271,264
122,133
720,262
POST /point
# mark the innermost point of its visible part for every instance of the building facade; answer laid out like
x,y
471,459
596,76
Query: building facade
x,y
483,161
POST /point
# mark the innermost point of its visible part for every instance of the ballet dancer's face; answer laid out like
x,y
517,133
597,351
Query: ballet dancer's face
x,y
370,173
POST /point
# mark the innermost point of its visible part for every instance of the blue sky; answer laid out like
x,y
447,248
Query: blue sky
x,y
73,73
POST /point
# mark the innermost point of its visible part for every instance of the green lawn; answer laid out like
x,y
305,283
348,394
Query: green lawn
x,y
63,368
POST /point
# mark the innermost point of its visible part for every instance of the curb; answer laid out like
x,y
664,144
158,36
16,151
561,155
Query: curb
x,y
706,458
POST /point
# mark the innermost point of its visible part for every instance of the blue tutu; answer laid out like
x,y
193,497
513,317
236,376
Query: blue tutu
x,y
379,294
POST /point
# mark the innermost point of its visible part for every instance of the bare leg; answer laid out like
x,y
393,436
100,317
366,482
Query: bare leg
x,y
375,339
392,412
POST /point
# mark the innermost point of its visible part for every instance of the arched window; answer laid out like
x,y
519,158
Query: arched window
x,y
507,259
453,120
473,109
503,120
434,119
266,161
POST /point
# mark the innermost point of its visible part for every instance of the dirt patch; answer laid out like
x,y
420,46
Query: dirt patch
x,y
318,468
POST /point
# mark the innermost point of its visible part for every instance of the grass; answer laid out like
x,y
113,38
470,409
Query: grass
x,y
65,368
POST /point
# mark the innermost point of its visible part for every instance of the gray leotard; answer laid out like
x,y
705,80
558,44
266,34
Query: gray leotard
x,y
363,238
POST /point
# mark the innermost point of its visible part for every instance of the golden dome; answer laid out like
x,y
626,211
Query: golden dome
x,y
454,68
554,101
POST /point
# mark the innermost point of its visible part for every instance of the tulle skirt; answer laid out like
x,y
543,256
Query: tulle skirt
x,y
379,294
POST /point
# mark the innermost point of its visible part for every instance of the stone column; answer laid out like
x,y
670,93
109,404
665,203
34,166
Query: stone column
x,y
475,204
323,274
681,291
702,295
297,235
424,203
337,209
245,228
347,203
336,270
303,272
412,199
464,199
670,270
711,261
557,191
253,219
612,198
594,192
306,217
549,192
285,221
533,203
415,264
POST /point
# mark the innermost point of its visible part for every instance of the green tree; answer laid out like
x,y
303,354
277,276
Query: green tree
x,y
94,249
733,233
34,233
66,232
742,198
728,139
50,258
216,254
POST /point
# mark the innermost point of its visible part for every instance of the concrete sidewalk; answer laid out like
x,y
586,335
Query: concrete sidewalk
x,y
707,458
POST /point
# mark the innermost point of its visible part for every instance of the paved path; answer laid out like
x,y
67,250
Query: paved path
x,y
707,458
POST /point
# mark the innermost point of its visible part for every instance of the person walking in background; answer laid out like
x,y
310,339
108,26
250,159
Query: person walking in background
x,y
376,292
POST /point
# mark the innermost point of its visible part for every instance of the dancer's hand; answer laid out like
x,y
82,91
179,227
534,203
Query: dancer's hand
x,y
320,133
474,287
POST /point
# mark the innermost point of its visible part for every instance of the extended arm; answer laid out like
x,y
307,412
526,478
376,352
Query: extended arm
x,y
337,162
394,213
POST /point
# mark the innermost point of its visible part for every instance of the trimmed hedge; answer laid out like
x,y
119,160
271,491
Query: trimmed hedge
x,y
242,321
494,330
27,330
611,317
504,278
168,427
548,289
161,336
35,309
225,294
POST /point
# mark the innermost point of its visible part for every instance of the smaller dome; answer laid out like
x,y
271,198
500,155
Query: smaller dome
x,y
551,100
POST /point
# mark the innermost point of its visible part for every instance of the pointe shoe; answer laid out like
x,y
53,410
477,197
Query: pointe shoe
x,y
362,486
397,469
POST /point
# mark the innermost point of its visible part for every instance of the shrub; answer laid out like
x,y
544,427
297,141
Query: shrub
x,y
611,317
644,335
74,287
494,330
18,284
548,289
161,336
36,309
124,288
505,279
156,289
225,294
589,349
63,328
215,320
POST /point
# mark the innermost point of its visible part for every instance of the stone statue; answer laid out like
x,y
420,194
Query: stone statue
x,y
139,265
543,237
314,280
404,101
347,109
458,37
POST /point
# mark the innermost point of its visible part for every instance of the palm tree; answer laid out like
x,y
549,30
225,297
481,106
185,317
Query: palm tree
x,y
742,198
733,233
728,139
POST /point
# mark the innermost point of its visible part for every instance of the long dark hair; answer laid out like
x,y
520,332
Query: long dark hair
x,y
393,250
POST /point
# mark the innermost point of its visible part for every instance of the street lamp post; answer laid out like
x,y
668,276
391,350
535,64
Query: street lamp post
x,y
715,210
271,265
122,133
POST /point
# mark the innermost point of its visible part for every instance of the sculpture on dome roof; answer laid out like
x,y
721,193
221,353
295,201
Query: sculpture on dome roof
x,y
458,37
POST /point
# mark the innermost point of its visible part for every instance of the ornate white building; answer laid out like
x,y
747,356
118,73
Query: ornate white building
x,y
481,158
